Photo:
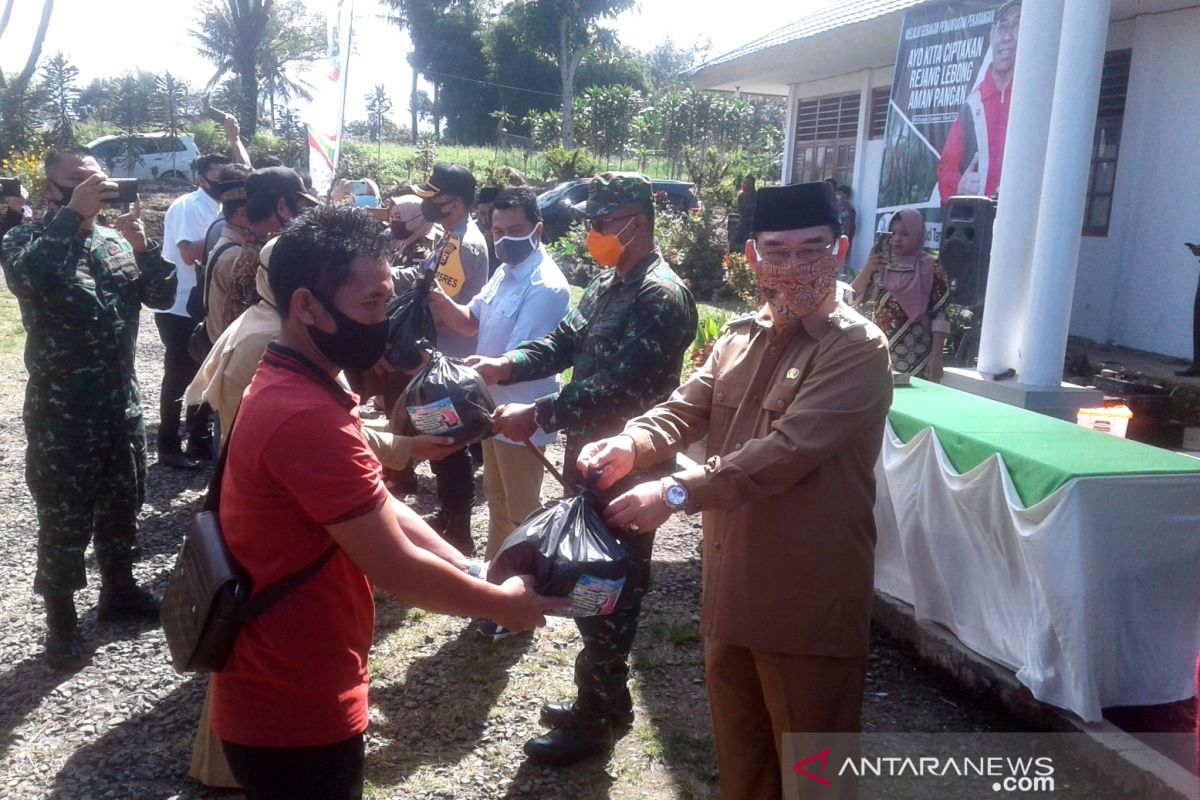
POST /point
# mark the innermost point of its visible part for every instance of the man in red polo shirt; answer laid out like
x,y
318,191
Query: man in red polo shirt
x,y
291,704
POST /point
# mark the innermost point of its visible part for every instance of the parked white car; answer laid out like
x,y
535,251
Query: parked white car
x,y
157,155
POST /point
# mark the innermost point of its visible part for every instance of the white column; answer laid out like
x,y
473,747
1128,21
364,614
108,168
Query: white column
x,y
1064,193
1020,185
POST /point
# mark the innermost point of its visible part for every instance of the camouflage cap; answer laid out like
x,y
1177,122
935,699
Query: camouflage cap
x,y
609,191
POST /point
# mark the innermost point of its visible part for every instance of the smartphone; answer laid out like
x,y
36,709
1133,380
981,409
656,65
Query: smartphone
x,y
358,187
10,187
215,114
883,243
127,189
366,201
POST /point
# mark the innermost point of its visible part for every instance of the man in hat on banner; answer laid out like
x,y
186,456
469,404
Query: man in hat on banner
x,y
461,262
793,400
625,341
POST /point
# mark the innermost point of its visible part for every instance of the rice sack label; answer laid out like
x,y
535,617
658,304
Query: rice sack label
x,y
570,552
448,398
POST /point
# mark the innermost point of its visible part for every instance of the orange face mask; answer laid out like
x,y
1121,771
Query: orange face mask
x,y
607,248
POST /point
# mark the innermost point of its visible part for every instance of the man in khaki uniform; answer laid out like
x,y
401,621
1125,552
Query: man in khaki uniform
x,y
793,400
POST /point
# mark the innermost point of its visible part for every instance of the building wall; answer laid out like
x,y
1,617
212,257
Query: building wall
x,y
1135,286
1153,276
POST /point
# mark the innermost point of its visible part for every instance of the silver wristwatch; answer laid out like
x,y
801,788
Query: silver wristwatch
x,y
674,494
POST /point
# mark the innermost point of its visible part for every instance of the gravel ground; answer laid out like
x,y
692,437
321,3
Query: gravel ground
x,y
449,711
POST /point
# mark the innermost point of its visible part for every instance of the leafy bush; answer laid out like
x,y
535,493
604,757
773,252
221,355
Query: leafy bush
x,y
695,246
571,254
566,165
26,165
739,279
209,138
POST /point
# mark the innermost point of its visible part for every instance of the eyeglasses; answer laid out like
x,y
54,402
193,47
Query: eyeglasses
x,y
808,254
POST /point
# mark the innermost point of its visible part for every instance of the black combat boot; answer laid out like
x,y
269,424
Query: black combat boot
x,y
578,738
122,599
621,713
455,528
64,643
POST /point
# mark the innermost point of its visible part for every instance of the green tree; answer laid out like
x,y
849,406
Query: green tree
x,y
568,29
132,110
20,99
58,82
170,102
379,105
257,42
667,62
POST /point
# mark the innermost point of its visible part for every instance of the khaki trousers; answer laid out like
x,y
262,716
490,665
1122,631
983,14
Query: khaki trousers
x,y
756,697
512,483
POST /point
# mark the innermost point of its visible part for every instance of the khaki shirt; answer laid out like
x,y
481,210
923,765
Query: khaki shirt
x,y
795,423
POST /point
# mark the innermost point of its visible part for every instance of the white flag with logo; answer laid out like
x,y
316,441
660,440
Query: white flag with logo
x,y
329,98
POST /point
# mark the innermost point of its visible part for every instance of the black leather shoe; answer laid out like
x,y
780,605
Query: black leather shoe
x,y
576,740
136,605
64,643
200,448
64,650
179,461
455,528
562,712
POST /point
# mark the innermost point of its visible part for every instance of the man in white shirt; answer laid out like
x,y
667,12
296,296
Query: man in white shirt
x,y
524,300
184,228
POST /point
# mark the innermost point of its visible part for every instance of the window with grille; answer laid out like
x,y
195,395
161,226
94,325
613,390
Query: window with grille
x,y
880,98
1110,114
826,138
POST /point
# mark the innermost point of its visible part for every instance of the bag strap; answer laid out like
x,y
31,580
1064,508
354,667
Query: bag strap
x,y
571,488
267,598
208,270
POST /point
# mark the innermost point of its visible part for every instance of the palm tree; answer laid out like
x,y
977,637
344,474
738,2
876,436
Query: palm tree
x,y
379,105
257,41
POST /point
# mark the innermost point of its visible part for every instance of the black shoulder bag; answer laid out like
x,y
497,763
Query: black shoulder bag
x,y
199,342
208,594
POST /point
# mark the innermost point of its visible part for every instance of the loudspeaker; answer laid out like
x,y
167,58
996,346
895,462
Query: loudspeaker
x,y
967,246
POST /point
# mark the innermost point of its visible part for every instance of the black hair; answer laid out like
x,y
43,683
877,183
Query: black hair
x,y
260,206
234,172
844,189
262,162
522,198
56,154
317,250
206,162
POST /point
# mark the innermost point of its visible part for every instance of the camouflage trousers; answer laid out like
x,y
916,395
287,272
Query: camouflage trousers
x,y
88,482
602,667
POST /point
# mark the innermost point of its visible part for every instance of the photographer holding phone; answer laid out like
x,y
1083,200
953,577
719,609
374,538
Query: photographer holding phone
x,y
906,294
16,212
81,287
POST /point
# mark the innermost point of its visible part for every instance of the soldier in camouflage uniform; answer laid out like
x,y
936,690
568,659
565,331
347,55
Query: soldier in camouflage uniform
x,y
625,342
80,287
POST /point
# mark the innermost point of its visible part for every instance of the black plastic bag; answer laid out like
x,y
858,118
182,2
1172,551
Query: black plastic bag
x,y
570,552
448,398
411,328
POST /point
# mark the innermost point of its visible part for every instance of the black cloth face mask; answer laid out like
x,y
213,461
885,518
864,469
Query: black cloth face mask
x,y
354,345
433,212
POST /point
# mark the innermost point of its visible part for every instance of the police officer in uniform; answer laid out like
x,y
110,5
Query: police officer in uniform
x,y
81,286
625,340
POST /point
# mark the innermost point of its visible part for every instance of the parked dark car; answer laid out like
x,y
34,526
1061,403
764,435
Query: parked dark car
x,y
558,212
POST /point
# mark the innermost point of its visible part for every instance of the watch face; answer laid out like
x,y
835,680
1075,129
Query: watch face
x,y
677,496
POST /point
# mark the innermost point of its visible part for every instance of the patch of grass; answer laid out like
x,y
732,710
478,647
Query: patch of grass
x,y
648,742
12,335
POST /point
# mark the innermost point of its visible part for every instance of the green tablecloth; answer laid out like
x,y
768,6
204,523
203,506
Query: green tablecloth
x,y
1042,453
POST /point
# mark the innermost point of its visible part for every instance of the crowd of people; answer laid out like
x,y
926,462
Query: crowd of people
x,y
272,307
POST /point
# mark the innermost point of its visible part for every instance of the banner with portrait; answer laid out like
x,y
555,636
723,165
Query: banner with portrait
x,y
948,115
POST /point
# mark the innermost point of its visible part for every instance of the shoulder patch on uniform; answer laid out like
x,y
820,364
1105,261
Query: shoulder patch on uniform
x,y
850,322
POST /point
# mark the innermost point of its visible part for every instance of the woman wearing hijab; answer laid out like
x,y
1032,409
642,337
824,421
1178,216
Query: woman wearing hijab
x,y
909,293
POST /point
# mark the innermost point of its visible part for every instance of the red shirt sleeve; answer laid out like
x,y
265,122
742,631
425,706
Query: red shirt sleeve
x,y
321,458
949,167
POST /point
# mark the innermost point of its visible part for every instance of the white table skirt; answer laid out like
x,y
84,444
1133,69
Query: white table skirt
x,y
1092,596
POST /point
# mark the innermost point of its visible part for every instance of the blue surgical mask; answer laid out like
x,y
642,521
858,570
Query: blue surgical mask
x,y
513,250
